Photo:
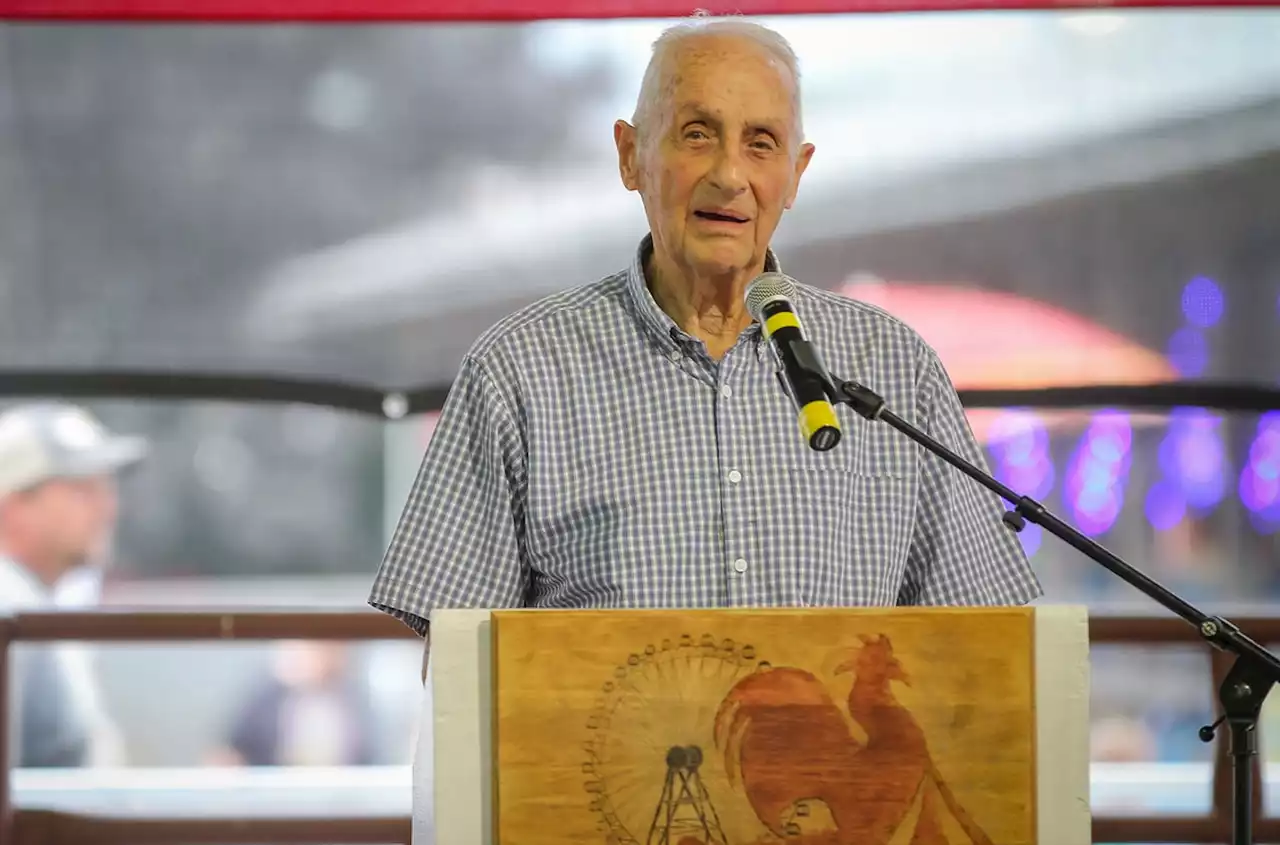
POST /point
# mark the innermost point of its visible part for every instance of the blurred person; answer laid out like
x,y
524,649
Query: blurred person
x,y
626,443
308,711
1121,739
58,510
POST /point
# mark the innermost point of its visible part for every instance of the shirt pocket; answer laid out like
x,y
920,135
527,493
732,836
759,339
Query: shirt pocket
x,y
847,536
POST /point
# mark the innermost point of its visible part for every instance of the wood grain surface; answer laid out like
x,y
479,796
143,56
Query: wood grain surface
x,y
812,726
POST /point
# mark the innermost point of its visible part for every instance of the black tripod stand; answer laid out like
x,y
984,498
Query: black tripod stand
x,y
1254,670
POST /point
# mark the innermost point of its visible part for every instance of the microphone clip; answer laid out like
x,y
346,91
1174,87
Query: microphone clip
x,y
863,400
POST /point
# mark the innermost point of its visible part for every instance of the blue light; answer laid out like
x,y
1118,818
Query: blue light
x,y
1265,523
1188,352
1202,302
1165,506
1031,537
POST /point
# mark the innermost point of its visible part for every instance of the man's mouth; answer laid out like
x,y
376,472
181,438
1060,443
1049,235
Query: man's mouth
x,y
721,216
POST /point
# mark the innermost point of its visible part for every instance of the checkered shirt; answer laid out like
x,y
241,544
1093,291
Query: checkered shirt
x,y
592,454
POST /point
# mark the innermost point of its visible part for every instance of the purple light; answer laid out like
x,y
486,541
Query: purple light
x,y
1018,438
1193,458
1109,436
1264,457
1188,352
1031,538
1265,523
1100,515
1202,302
1035,480
1165,506
1260,479
1267,520
1097,473
1258,493
1019,443
1264,453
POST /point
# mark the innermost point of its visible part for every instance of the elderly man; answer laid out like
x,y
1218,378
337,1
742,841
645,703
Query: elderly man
x,y
627,444
57,514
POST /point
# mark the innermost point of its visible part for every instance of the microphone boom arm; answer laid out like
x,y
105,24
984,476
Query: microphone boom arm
x,y
1252,674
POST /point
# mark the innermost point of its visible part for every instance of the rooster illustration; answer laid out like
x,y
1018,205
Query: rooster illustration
x,y
790,746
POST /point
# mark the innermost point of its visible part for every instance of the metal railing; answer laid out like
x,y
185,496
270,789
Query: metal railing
x,y
42,827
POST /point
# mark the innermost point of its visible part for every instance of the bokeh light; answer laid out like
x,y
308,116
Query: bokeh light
x,y
1202,302
1019,446
1188,351
1165,506
1260,478
1031,537
1193,458
1099,469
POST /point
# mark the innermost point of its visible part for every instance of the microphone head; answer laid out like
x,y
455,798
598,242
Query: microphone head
x,y
766,288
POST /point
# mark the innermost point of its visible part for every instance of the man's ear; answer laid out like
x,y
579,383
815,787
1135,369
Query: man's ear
x,y
625,138
802,162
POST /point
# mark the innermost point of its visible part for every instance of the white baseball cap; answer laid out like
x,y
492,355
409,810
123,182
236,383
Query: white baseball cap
x,y
44,441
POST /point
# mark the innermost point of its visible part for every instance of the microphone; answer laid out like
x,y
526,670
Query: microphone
x,y
801,371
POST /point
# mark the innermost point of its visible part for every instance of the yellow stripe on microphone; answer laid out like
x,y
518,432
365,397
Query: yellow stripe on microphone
x,y
817,416
781,320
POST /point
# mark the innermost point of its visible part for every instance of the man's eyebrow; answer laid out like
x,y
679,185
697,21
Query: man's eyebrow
x,y
692,113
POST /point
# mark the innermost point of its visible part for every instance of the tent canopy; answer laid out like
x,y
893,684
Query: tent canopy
x,y
331,214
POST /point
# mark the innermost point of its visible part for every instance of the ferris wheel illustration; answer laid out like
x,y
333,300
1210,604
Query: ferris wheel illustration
x,y
648,740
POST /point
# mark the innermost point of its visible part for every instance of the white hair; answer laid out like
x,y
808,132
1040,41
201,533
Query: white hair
x,y
657,76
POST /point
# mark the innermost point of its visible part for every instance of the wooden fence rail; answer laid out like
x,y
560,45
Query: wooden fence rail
x,y
29,827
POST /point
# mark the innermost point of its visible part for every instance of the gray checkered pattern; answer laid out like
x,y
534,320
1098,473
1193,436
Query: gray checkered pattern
x,y
591,454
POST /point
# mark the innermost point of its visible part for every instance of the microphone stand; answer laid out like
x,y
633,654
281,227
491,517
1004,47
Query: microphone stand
x,y
1254,670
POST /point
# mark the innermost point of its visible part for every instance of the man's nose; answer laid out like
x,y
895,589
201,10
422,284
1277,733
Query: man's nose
x,y
728,173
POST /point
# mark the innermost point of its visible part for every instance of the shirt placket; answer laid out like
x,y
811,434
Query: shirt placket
x,y
741,566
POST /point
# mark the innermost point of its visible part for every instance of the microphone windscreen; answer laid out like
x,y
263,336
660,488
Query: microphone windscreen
x,y
764,289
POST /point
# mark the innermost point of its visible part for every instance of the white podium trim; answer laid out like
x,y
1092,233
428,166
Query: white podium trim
x,y
456,734
1062,726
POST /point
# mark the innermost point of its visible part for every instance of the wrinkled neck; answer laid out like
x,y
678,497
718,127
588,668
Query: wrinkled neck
x,y
710,308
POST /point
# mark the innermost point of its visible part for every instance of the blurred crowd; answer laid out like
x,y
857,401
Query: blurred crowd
x,y
59,507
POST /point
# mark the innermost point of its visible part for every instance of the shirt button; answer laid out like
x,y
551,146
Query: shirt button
x,y
726,391
734,476
674,355
739,565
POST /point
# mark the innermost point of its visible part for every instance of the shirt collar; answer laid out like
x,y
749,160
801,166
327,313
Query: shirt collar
x,y
653,319
19,588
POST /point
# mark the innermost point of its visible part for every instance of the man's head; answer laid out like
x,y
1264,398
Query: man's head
x,y
57,486
716,149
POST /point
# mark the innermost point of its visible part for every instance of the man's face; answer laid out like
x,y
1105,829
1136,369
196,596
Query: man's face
x,y
71,519
721,160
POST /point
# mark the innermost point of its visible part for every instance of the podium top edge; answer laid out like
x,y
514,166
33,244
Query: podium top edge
x,y
932,610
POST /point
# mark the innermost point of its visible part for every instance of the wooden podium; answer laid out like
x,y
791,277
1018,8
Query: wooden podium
x,y
806,726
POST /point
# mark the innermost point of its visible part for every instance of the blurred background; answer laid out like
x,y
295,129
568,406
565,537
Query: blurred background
x,y
1051,198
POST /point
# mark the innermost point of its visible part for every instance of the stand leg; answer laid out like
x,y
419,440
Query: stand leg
x,y
1244,747
1241,694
